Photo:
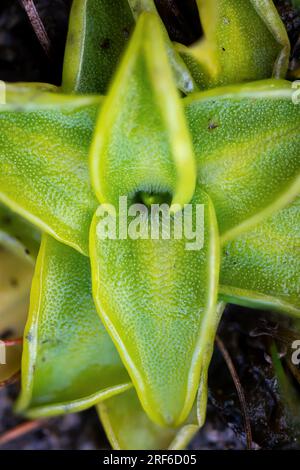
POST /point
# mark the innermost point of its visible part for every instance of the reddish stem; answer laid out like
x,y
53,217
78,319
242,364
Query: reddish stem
x,y
239,390
20,431
12,342
37,25
13,379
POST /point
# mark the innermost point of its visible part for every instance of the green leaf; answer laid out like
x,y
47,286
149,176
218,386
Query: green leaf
x,y
141,141
128,427
18,235
157,299
182,75
270,16
28,87
98,32
244,40
69,362
261,269
247,144
44,142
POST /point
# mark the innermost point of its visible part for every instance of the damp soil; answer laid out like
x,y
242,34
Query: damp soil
x,y
249,336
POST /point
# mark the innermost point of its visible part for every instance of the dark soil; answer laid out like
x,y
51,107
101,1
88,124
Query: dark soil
x,y
21,56
80,431
248,335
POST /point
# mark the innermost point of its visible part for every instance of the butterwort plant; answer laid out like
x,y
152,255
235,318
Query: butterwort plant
x,y
128,323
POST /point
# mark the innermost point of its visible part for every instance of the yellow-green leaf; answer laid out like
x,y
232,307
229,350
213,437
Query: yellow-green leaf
x,y
270,16
157,299
98,32
69,362
44,142
243,40
15,280
128,427
261,268
183,78
247,144
141,141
